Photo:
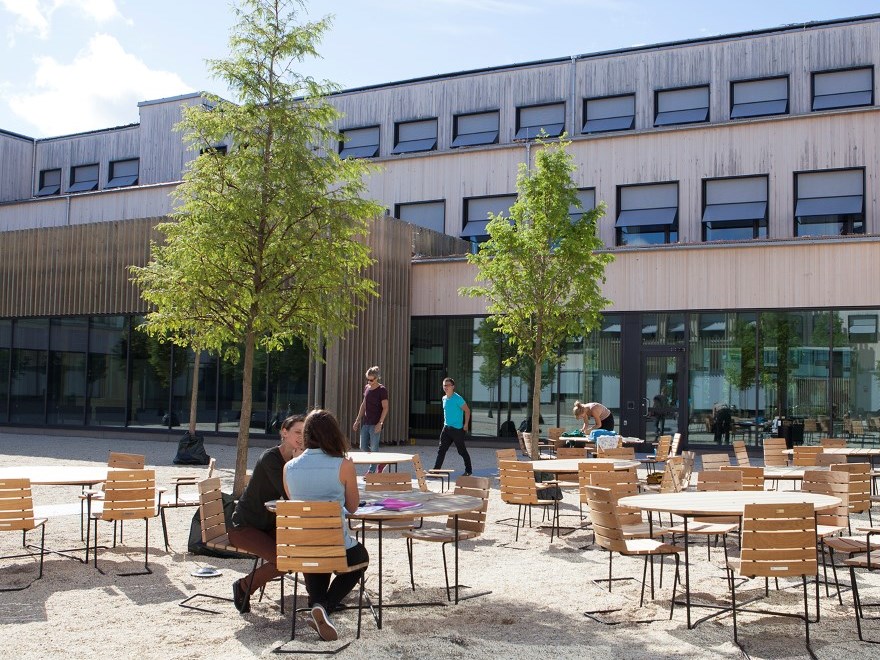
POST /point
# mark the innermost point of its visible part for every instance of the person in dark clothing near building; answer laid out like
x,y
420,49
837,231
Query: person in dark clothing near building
x,y
253,526
659,410
456,416
371,415
722,420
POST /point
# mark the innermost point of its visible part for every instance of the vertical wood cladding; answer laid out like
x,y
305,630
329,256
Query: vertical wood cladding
x,y
75,270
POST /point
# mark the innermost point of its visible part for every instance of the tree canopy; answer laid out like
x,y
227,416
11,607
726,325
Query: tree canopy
x,y
542,269
264,248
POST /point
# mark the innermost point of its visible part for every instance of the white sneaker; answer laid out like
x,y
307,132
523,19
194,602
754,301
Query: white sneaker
x,y
321,623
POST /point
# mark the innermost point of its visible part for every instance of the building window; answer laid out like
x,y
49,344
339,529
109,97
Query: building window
x,y
648,214
476,215
359,142
123,173
587,198
411,136
759,98
473,129
430,215
830,203
843,89
83,178
531,120
689,105
862,328
735,209
50,183
611,113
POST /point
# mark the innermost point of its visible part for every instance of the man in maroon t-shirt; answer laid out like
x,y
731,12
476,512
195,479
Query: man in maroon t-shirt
x,y
371,415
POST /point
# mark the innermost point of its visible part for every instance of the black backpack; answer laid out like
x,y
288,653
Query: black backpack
x,y
191,451
196,546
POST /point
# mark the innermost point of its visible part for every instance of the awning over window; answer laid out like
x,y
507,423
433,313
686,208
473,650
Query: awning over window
x,y
646,217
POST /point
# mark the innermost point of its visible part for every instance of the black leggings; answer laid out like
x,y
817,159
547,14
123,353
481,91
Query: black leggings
x,y
608,423
323,592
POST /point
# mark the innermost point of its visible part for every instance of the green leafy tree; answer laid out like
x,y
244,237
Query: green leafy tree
x,y
266,244
541,271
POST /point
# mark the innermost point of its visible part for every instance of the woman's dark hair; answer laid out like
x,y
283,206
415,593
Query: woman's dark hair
x,y
321,431
288,423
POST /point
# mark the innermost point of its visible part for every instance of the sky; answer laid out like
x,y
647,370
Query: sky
x,y
68,66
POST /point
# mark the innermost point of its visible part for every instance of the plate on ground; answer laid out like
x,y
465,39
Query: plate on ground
x,y
206,571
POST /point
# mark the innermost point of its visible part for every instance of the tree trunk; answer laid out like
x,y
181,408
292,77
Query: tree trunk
x,y
194,397
244,423
536,395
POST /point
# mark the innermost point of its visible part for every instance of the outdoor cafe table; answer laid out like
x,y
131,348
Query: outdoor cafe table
x,y
872,453
378,457
790,472
562,465
715,503
57,475
430,505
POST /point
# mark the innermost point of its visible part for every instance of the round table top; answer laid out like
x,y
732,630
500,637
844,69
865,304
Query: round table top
x,y
430,504
698,503
794,472
846,451
571,464
57,475
375,457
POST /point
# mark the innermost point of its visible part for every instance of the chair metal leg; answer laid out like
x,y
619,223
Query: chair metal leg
x,y
446,571
409,552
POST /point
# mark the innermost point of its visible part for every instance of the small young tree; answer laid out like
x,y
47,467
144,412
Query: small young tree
x,y
541,270
265,246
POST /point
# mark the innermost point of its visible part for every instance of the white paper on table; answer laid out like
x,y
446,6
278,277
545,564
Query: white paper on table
x,y
371,508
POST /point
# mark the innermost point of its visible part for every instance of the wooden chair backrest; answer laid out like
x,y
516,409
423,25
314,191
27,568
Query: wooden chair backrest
x,y
571,452
673,475
554,435
505,455
858,427
388,481
714,461
585,470
603,515
859,485
664,444
212,464
827,460
517,482
741,453
213,520
676,441
778,540
811,426
774,452
129,495
806,456
16,505
309,537
833,443
419,469
720,480
622,483
522,442
829,483
690,458
752,477
125,461
530,442
475,520
628,453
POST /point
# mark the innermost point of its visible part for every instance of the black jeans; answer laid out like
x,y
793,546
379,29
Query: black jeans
x,y
608,423
323,592
449,435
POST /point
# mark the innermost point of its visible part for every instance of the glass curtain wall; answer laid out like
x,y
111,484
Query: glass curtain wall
x,y
68,346
106,376
27,395
855,374
5,356
151,377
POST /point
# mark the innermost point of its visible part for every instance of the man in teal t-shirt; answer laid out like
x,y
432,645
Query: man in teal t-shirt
x,y
456,417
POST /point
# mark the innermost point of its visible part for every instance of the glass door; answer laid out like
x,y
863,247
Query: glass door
x,y
661,378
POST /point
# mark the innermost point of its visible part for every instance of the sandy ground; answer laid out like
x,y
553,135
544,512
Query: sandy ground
x,y
539,590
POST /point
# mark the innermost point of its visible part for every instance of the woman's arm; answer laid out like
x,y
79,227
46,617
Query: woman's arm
x,y
348,478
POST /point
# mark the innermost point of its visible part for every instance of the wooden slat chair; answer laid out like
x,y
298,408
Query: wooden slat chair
x,y
741,453
752,477
690,459
852,545
422,475
609,536
505,455
811,427
859,493
775,453
386,481
17,515
554,435
569,478
832,443
859,430
869,562
708,526
829,522
518,488
672,480
826,460
624,453
116,461
470,525
714,461
178,499
660,455
624,483
128,495
778,540
533,447
585,471
212,521
676,441
310,539
806,456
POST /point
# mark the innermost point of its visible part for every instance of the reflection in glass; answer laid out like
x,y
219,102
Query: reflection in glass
x,y
5,353
106,370
68,341
29,360
151,374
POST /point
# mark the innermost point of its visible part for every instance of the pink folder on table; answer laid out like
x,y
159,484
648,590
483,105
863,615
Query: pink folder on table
x,y
398,505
